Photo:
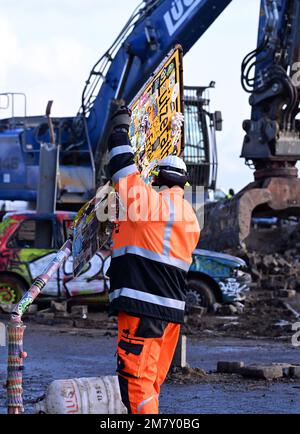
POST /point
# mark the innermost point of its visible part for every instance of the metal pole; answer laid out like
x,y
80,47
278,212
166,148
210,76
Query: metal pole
x,y
47,185
15,331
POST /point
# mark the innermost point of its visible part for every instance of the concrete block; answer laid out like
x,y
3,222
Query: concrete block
x,y
7,308
240,307
229,367
294,371
44,311
216,307
44,317
228,309
269,372
285,368
291,309
32,309
79,311
286,293
57,306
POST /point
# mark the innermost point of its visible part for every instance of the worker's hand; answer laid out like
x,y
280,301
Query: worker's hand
x,y
121,119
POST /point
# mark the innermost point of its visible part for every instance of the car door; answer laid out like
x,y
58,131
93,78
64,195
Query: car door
x,y
33,251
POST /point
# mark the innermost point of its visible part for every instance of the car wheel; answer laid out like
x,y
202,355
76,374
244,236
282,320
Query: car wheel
x,y
199,293
11,289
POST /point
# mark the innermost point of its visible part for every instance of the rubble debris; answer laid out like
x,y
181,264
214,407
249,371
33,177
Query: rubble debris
x,y
79,312
32,309
77,319
229,367
184,375
285,293
197,310
278,270
262,372
264,316
291,310
99,320
232,371
285,369
294,371
58,307
216,307
44,316
235,308
273,371
240,307
6,307
55,314
227,309
282,323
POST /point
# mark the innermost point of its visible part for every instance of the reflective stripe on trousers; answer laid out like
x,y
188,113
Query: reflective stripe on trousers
x,y
146,401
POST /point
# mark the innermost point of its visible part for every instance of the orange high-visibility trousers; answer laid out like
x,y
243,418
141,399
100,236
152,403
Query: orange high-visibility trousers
x,y
145,351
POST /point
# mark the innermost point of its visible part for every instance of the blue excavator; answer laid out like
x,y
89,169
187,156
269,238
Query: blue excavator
x,y
271,145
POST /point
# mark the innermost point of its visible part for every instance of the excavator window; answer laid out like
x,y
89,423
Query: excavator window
x,y
194,151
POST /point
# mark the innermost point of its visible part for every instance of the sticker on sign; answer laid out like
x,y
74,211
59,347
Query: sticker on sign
x,y
152,133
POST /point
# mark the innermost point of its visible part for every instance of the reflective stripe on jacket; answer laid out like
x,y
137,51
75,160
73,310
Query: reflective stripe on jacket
x,y
152,243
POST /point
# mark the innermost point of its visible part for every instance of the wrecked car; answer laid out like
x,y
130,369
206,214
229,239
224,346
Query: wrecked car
x,y
216,277
213,277
24,255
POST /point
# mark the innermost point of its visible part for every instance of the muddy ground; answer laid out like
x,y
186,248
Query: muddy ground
x,y
60,351
265,315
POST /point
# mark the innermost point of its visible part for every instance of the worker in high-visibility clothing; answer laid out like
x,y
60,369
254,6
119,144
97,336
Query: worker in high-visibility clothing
x,y
151,254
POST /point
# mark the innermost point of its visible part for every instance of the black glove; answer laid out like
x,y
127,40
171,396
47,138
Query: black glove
x,y
121,119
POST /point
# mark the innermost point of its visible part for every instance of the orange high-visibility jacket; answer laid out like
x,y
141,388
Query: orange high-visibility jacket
x,y
152,243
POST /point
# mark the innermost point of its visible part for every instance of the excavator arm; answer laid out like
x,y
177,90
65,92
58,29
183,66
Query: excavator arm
x,y
272,141
153,30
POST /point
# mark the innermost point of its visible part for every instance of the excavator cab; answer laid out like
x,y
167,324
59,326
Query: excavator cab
x,y
20,139
200,148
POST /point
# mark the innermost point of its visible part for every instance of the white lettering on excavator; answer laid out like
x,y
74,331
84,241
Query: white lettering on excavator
x,y
179,11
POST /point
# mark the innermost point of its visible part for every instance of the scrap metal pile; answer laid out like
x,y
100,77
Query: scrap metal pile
x,y
277,266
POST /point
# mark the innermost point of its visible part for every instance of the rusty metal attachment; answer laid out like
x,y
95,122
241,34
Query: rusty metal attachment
x,y
228,223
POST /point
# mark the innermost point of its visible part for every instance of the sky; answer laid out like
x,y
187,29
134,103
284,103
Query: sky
x,y
49,47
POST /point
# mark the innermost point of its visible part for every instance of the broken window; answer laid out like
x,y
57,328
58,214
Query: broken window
x,y
33,234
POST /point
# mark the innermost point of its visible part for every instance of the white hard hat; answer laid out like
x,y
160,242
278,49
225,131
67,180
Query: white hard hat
x,y
173,164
